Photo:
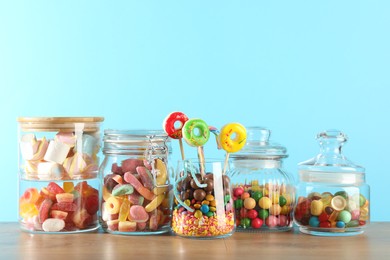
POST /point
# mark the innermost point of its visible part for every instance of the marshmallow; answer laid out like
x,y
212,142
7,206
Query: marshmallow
x,y
28,146
66,138
50,170
88,144
56,152
42,148
75,164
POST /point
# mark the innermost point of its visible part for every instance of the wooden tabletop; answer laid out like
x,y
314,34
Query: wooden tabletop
x,y
15,244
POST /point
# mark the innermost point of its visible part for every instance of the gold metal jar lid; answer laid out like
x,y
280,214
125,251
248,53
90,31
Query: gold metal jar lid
x,y
56,124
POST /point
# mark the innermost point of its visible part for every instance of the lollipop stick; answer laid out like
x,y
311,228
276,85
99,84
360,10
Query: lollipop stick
x,y
226,163
201,160
181,148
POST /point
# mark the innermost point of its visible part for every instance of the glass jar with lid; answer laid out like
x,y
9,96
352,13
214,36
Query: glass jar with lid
x,y
333,197
58,174
263,192
136,193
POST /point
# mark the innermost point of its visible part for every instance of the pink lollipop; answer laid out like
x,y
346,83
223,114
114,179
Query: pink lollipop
x,y
173,129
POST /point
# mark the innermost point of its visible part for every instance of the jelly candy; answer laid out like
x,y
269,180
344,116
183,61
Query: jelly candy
x,y
124,211
147,194
53,225
112,205
138,214
44,210
130,165
146,177
122,189
65,197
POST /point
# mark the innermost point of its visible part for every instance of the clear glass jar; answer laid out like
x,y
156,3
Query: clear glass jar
x,y
263,192
58,180
136,194
203,205
333,197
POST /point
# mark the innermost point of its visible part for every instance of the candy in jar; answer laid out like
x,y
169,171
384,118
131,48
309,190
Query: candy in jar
x,y
333,197
203,205
136,193
263,192
58,174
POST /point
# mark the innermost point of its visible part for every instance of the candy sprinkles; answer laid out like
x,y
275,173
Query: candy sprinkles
x,y
203,203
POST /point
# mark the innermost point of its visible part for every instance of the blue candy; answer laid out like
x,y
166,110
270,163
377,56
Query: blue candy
x,y
205,208
340,224
314,221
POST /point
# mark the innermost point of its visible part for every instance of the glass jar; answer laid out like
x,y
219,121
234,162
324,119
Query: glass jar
x,y
136,194
203,205
333,197
263,192
58,180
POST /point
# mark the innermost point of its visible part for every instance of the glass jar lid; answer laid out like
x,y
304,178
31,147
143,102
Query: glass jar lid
x,y
258,145
330,158
135,141
56,124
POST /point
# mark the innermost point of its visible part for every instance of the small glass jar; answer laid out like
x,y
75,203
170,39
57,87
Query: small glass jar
x,y
203,205
263,192
136,194
333,197
58,180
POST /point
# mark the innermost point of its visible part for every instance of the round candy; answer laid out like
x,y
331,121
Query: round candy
x,y
338,203
344,216
252,213
169,124
314,222
245,222
238,191
232,145
263,213
205,208
238,203
257,195
249,203
257,223
340,224
196,132
265,203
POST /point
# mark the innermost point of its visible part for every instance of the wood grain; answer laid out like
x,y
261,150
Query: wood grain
x,y
15,244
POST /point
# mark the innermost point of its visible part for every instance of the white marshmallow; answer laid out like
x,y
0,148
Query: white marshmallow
x,y
28,146
50,170
56,152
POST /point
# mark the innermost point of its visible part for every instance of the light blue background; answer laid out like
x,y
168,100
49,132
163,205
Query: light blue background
x,y
297,67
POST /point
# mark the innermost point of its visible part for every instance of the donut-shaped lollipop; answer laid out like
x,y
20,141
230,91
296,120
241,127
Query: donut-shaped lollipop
x,y
232,145
169,124
196,132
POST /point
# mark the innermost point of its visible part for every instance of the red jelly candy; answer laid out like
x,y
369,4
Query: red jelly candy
x,y
325,224
54,188
92,204
323,217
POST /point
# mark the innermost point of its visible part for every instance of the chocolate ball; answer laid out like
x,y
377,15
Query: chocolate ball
x,y
210,184
199,194
193,183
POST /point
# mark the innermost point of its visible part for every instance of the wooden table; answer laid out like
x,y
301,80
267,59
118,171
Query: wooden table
x,y
15,244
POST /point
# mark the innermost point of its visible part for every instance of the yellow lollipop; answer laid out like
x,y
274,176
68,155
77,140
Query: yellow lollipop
x,y
232,139
232,145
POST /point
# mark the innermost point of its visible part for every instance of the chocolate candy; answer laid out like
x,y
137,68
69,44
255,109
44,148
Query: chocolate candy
x,y
199,194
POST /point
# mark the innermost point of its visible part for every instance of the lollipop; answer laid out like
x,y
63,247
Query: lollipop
x,y
175,131
196,133
215,131
229,144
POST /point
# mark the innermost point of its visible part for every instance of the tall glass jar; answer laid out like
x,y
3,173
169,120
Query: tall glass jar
x,y
263,192
58,180
333,197
136,194
203,205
